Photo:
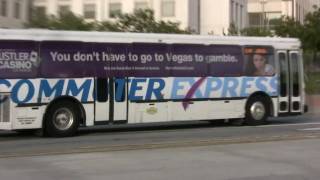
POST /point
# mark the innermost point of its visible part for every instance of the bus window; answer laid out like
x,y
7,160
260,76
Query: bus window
x,y
295,74
259,62
102,89
283,74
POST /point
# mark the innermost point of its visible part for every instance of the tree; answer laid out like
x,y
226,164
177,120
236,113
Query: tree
x,y
232,30
64,21
311,31
38,19
256,31
288,27
141,21
250,31
69,21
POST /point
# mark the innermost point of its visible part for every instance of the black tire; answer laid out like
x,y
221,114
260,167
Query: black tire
x,y
62,119
236,122
257,111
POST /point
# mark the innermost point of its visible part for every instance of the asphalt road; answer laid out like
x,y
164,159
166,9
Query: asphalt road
x,y
285,160
156,136
286,148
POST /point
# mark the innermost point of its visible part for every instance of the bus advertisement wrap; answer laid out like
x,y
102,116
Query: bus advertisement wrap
x,y
141,89
79,59
19,59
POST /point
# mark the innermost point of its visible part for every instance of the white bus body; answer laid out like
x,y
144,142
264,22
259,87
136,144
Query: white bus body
x,y
60,104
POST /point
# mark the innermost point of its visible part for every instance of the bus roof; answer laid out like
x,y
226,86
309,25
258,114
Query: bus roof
x,y
121,37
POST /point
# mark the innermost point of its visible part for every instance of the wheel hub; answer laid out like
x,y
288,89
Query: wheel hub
x,y
63,119
257,110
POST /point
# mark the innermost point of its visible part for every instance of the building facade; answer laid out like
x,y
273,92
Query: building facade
x,y
200,16
218,15
263,12
14,13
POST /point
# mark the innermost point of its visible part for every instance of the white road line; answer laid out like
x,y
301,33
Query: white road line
x,y
310,129
295,124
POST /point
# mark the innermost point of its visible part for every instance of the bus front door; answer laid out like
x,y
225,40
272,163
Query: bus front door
x,y
102,101
110,101
290,85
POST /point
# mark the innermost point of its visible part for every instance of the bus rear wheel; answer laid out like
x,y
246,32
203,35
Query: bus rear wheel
x,y
62,119
257,111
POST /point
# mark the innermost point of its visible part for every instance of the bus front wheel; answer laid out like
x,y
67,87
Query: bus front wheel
x,y
62,119
257,111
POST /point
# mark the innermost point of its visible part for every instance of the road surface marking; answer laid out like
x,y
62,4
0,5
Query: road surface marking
x,y
294,124
310,129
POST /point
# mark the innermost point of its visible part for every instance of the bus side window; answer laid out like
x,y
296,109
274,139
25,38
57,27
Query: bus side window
x,y
102,89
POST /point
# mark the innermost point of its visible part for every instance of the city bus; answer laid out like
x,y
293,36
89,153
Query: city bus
x,y
58,81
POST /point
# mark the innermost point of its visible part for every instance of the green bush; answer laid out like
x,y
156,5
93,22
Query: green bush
x,y
312,83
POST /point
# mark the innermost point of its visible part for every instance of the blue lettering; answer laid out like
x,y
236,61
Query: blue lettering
x,y
210,88
5,82
134,88
177,86
246,84
46,90
198,93
155,90
274,86
260,85
17,87
229,87
120,89
73,89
